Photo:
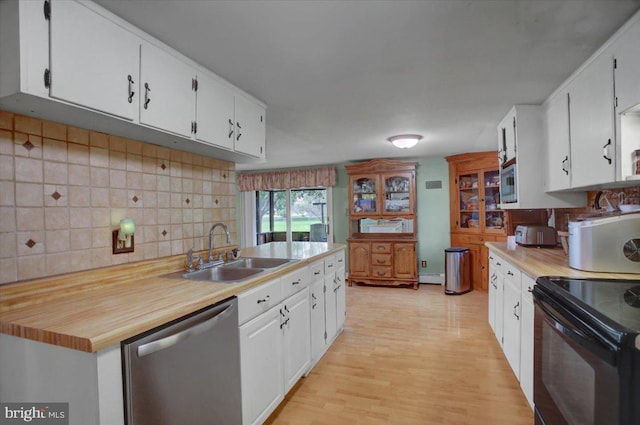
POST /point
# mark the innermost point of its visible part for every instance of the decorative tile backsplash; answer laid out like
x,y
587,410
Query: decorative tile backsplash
x,y
64,189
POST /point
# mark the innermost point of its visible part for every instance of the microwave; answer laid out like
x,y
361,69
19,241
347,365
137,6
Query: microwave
x,y
508,187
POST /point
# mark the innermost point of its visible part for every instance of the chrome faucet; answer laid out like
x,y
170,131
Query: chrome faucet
x,y
226,231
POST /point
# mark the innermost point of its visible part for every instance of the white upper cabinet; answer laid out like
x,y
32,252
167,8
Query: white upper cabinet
x,y
80,58
556,117
592,121
250,127
507,138
214,113
626,51
94,62
167,91
525,122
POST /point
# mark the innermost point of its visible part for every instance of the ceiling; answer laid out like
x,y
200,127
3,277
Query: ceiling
x,y
340,77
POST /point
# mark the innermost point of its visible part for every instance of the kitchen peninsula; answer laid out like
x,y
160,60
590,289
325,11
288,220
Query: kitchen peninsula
x,y
77,321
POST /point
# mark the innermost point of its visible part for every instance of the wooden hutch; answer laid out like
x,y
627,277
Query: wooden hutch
x,y
476,217
382,223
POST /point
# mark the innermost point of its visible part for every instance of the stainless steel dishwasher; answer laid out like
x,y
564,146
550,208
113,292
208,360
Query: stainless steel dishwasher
x,y
186,372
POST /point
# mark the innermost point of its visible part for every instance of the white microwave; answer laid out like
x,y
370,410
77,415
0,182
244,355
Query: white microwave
x,y
508,186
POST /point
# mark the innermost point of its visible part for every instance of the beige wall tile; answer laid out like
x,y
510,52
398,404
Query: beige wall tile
x,y
164,199
28,125
58,263
117,160
29,219
56,218
149,165
8,219
134,180
27,145
118,179
8,270
164,153
56,195
79,196
99,140
118,198
56,172
164,249
80,218
149,150
175,169
31,267
176,215
8,246
164,216
99,197
150,251
53,130
176,184
150,199
29,195
6,142
101,237
30,243
134,147
79,175
164,183
177,247
150,233
99,177
54,150
78,135
6,120
134,162
101,257
6,168
78,154
80,260
117,144
8,194
98,157
100,217
28,170
149,182
176,200
57,240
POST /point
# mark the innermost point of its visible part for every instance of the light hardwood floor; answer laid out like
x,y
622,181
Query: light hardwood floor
x,y
409,357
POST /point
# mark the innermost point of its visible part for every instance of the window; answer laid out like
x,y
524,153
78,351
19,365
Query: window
x,y
291,215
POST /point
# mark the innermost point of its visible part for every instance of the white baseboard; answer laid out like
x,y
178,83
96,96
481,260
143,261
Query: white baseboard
x,y
434,278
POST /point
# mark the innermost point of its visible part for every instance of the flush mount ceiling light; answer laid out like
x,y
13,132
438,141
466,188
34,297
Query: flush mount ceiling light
x,y
405,141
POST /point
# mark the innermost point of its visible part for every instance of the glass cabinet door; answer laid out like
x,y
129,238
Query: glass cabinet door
x,y
365,194
397,194
469,201
494,219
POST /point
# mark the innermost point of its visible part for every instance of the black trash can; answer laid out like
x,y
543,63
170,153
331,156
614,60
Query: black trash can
x,y
457,270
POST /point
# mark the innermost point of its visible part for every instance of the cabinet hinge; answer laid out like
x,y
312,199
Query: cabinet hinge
x,y
324,289
615,64
47,10
261,118
47,78
325,334
260,149
616,101
194,127
194,84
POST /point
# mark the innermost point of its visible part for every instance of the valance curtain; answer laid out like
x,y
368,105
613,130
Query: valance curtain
x,y
288,179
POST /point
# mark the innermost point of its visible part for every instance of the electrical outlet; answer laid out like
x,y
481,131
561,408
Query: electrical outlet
x,y
423,263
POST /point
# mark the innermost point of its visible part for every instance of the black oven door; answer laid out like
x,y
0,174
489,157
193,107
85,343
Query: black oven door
x,y
575,372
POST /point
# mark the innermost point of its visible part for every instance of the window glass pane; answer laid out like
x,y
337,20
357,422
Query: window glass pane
x,y
309,214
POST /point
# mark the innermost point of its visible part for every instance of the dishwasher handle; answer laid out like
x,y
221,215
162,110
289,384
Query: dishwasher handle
x,y
171,340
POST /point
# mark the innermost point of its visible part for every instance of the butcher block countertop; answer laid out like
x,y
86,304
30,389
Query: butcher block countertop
x,y
537,262
94,309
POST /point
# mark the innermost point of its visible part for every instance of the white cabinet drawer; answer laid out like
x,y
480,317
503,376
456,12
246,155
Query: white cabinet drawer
x,y
329,265
316,271
340,260
294,281
258,300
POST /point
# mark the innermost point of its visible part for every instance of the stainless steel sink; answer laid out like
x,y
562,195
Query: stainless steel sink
x,y
233,272
223,274
258,263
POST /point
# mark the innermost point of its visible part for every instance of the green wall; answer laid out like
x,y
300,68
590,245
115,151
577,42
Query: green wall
x,y
433,211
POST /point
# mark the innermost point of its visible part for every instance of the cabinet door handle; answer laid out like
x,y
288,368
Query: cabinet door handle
x,y
239,133
605,151
230,128
264,300
316,273
380,261
380,273
131,92
564,163
509,273
296,282
515,309
529,289
147,99
498,263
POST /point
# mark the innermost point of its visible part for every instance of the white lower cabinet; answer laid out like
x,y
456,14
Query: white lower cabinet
x,y
261,352
511,318
328,303
275,345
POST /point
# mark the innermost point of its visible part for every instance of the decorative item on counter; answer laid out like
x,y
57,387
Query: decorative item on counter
x,y
564,240
635,161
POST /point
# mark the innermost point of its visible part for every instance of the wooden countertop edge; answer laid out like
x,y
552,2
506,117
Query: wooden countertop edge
x,y
22,300
536,262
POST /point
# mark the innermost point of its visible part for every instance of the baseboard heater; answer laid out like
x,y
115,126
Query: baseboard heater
x,y
433,278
